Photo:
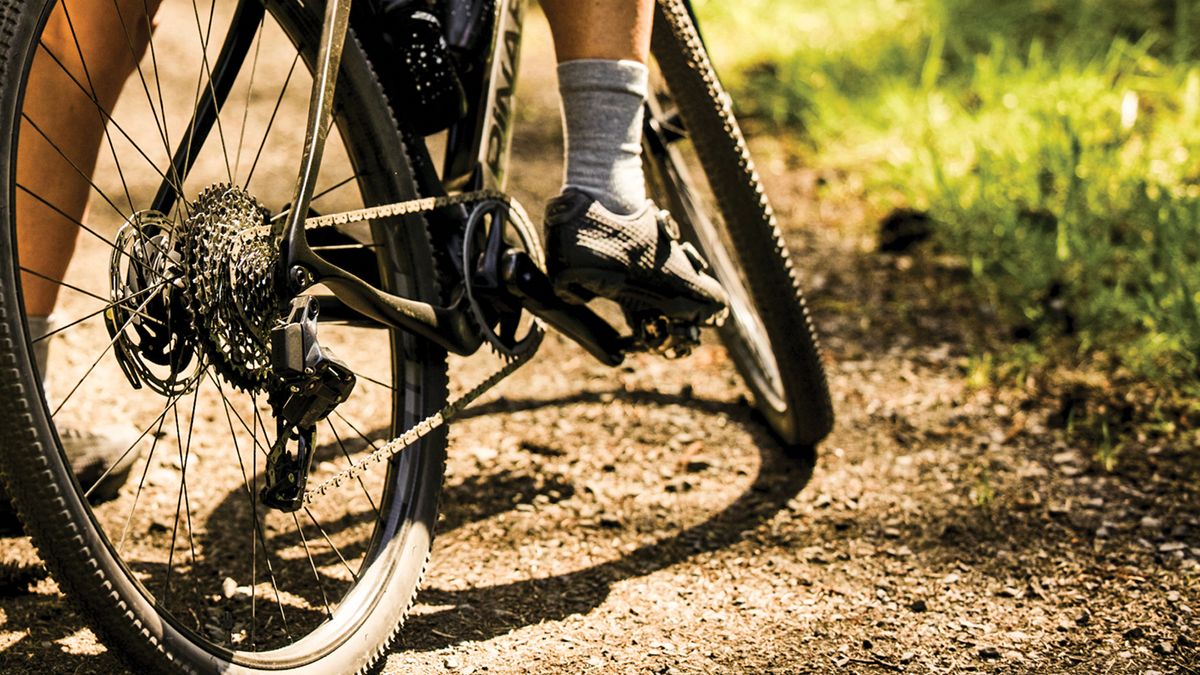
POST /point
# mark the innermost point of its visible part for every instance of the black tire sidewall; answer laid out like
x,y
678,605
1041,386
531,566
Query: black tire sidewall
x,y
760,250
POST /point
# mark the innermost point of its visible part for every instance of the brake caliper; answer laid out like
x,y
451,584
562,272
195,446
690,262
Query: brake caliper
x,y
314,383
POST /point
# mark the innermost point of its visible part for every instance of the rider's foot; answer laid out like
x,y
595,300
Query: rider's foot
x,y
636,260
103,455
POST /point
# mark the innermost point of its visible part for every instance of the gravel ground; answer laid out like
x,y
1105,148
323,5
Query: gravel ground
x,y
642,520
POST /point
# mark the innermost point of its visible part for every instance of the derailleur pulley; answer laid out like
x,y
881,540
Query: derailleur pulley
x,y
312,383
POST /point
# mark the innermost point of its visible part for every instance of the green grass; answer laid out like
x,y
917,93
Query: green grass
x,y
1056,143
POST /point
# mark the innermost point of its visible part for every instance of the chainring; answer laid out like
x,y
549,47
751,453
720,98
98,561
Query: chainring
x,y
509,332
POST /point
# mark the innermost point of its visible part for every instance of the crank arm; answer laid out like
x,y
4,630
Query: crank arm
x,y
526,281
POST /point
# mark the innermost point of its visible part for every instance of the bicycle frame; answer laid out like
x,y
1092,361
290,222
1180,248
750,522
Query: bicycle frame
x,y
477,158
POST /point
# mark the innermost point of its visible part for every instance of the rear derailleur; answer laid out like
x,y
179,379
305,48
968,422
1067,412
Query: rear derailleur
x,y
311,383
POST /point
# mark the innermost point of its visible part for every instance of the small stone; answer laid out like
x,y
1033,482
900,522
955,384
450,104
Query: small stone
x,y
918,606
891,533
1150,523
1171,547
989,653
1083,618
1134,633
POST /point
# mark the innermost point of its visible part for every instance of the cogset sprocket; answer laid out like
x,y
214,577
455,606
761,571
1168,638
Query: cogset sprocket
x,y
229,264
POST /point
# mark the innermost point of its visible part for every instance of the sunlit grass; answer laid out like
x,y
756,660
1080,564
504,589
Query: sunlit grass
x,y
1054,142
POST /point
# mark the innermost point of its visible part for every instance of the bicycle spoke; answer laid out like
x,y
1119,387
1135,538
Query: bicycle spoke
x,y
187,504
271,122
191,135
113,122
159,122
312,563
99,109
207,73
336,551
237,164
123,455
141,481
166,593
355,430
374,381
98,312
323,193
253,540
80,225
100,358
82,174
258,528
179,180
77,289
366,492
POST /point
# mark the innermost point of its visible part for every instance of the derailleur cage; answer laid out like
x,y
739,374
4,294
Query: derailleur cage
x,y
312,382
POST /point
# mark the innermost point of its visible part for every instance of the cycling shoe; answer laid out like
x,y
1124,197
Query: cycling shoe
x,y
635,260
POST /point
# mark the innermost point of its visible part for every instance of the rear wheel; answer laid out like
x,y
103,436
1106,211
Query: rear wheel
x,y
699,167
186,570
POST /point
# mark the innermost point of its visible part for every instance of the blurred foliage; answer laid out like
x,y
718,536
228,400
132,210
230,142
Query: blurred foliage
x,y
1054,142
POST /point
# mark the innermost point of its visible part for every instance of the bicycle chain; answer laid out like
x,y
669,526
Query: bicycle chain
x,y
454,406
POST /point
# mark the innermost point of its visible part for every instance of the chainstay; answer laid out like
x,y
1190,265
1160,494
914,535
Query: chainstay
x,y
454,407
423,428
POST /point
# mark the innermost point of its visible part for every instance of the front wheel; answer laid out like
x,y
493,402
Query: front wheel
x,y
699,167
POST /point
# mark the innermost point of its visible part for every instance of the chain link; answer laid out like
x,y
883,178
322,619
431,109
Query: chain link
x,y
455,406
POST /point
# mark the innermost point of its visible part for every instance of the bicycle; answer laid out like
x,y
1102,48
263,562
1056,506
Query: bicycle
x,y
235,306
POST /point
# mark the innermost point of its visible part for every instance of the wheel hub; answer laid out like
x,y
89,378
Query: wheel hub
x,y
216,296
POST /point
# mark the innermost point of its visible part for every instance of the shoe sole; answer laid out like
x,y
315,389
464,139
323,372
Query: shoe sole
x,y
581,286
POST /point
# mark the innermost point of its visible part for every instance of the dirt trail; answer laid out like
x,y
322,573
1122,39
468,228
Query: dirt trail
x,y
641,520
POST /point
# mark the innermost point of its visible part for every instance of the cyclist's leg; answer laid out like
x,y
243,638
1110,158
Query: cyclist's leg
x,y
60,138
601,29
63,130
602,48
603,236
